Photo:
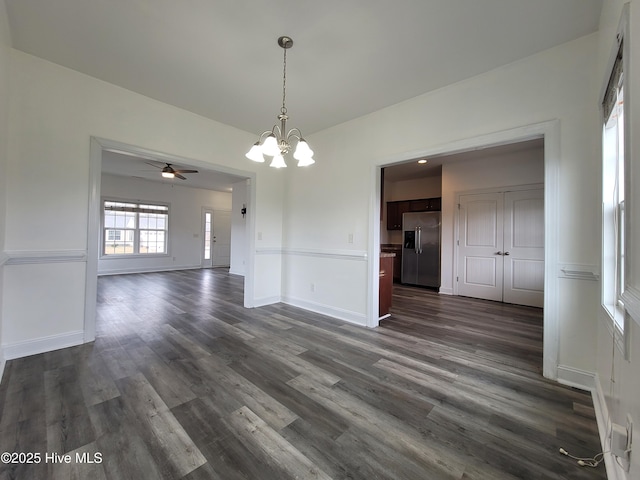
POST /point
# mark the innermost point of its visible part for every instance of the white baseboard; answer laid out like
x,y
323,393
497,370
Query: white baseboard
x,y
573,377
124,271
42,345
3,362
445,291
261,302
239,272
339,313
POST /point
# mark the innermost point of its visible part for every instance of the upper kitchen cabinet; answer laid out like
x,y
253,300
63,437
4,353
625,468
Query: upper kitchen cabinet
x,y
396,209
394,214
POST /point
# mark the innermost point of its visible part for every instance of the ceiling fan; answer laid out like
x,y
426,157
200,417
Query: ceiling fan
x,y
169,172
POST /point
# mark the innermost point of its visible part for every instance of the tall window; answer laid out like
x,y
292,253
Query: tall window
x,y
613,183
134,228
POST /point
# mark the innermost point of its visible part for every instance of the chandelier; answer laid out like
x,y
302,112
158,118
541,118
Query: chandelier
x,y
276,143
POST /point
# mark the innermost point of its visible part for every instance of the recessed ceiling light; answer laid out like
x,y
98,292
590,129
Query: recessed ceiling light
x,y
422,160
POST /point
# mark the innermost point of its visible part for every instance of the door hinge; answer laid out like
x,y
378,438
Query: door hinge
x,y
458,206
457,279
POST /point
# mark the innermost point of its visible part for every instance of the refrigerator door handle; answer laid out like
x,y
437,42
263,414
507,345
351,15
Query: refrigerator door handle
x,y
419,243
416,240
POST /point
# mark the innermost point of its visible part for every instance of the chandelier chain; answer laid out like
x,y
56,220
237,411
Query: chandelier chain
x,y
284,82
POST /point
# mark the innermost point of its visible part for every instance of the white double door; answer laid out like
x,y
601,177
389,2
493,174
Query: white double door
x,y
501,246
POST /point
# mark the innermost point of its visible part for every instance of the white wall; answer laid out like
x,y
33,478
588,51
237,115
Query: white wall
x,y
185,222
618,381
427,187
339,194
54,113
239,197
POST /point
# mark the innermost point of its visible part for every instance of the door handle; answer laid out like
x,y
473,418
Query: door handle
x,y
416,240
498,253
506,253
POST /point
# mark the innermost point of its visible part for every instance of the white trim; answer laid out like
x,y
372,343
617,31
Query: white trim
x,y
128,271
42,345
619,338
579,272
550,131
631,299
574,377
373,273
3,258
360,255
24,257
339,313
3,363
263,301
613,468
268,251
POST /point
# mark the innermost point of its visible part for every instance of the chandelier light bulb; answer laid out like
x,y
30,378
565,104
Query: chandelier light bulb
x,y
270,146
255,153
303,154
278,161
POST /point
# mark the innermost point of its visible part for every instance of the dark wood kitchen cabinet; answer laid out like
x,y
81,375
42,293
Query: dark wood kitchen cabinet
x,y
396,209
386,284
394,214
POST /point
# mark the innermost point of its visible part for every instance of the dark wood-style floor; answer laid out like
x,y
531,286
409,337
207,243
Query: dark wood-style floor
x,y
182,382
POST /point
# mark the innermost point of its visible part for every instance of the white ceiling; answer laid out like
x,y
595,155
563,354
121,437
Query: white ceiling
x,y
117,163
220,58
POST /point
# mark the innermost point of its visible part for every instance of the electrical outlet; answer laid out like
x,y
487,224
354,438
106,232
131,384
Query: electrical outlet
x,y
621,440
350,238
618,440
313,287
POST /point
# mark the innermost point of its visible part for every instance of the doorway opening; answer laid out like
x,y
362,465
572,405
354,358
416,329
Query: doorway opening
x,y
131,175
545,136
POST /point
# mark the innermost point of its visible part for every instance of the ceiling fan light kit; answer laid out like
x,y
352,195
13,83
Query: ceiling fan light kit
x,y
276,143
169,172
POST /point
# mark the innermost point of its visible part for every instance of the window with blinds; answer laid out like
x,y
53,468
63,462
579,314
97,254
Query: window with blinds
x,y
613,193
131,228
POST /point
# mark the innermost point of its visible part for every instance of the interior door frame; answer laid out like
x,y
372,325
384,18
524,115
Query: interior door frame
x,y
96,147
550,132
456,222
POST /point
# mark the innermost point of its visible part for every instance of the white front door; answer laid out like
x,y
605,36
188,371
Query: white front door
x,y
207,236
480,259
501,246
221,238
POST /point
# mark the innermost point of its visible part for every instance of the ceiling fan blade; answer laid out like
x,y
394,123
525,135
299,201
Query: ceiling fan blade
x,y
154,165
179,176
186,171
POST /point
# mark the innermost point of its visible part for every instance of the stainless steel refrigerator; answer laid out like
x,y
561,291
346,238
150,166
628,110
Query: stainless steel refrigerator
x,y
421,249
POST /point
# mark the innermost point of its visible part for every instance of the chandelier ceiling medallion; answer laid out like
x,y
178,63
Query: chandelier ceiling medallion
x,y
276,143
